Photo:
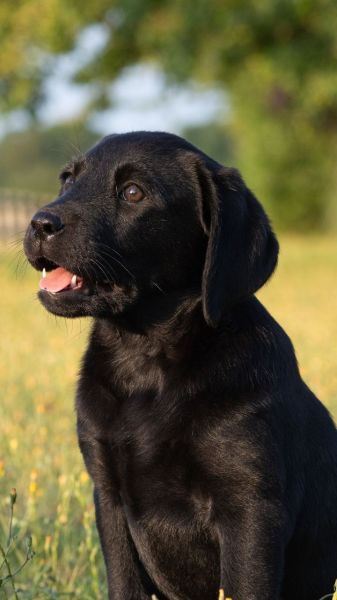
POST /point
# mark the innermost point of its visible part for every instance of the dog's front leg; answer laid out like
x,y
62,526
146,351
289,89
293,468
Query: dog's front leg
x,y
123,569
252,553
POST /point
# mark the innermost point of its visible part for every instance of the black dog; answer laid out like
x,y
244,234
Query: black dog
x,y
214,466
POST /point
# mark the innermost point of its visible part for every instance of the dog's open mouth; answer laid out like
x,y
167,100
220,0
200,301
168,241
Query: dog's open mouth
x,y
60,280
69,290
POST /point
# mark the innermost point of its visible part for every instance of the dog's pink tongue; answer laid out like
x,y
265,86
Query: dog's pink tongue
x,y
56,280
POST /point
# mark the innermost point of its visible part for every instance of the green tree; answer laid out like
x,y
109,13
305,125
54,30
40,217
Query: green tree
x,y
276,59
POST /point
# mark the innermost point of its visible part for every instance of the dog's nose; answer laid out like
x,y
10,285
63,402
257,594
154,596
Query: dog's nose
x,y
46,224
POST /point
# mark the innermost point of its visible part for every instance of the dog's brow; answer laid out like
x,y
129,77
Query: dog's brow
x,y
73,166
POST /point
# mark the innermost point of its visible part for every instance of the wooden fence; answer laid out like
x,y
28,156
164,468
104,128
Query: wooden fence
x,y
16,211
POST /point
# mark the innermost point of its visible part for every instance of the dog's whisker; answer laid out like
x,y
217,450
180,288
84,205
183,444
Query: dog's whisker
x,y
121,264
108,268
103,245
20,262
21,267
156,285
76,148
17,253
15,242
86,273
98,265
107,265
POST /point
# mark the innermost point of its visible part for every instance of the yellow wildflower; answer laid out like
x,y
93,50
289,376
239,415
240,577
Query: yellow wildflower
x,y
222,595
33,488
84,477
63,518
47,542
33,474
62,480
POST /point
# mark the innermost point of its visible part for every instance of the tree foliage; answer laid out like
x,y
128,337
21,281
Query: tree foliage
x,y
276,59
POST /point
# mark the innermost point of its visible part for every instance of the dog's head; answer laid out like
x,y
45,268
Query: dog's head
x,y
143,214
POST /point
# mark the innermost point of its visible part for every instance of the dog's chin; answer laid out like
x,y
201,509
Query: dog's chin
x,y
89,302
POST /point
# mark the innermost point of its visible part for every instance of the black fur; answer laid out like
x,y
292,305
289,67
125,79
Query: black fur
x,y
214,466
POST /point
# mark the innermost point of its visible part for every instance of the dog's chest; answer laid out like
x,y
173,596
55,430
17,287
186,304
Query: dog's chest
x,y
166,499
150,421
153,453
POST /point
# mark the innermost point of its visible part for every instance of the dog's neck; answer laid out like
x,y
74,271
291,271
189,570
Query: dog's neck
x,y
150,344
166,325
165,313
177,344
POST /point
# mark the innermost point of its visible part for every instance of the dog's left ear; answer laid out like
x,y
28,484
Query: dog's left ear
x,y
242,248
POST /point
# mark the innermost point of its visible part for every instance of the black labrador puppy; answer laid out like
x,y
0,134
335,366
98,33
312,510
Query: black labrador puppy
x,y
214,466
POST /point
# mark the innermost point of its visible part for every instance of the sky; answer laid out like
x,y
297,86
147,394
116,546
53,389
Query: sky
x,y
156,106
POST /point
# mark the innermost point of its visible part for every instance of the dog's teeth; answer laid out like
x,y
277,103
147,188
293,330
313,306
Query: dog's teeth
x,y
44,274
73,281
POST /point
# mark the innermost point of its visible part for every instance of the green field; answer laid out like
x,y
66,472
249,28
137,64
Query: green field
x,y
38,450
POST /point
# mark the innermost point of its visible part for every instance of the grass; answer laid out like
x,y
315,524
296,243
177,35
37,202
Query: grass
x,y
38,449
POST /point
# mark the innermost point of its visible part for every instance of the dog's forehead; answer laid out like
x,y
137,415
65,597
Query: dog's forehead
x,y
138,146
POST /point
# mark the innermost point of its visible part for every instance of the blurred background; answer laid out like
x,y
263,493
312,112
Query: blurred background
x,y
254,84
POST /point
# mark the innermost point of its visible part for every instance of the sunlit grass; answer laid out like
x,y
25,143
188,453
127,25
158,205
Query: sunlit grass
x,y
38,450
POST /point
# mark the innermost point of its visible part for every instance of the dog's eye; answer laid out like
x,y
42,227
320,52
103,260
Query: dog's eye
x,y
69,180
132,193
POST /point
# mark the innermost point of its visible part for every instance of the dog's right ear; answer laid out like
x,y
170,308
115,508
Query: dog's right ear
x,y
242,248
